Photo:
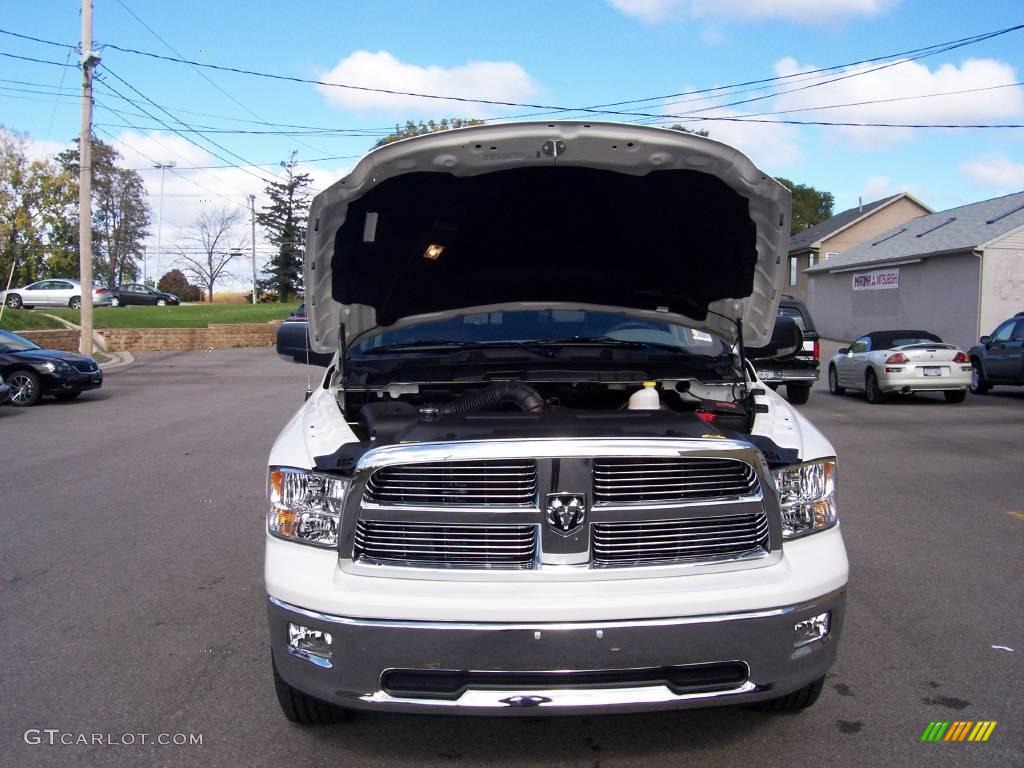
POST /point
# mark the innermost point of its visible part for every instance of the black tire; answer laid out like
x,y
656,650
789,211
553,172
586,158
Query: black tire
x,y
955,395
115,302
161,302
797,701
305,710
14,301
25,389
833,381
979,384
76,302
798,394
68,395
871,388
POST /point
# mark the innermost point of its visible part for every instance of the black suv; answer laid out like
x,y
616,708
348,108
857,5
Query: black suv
x,y
999,358
799,371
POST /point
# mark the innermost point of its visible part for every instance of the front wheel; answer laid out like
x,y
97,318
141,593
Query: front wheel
x,y
25,389
14,301
76,302
115,302
833,381
305,710
955,395
979,384
796,701
161,302
871,388
798,394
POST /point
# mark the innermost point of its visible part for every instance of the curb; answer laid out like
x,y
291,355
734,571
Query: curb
x,y
120,359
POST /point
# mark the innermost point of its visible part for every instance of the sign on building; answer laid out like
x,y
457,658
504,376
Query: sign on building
x,y
877,280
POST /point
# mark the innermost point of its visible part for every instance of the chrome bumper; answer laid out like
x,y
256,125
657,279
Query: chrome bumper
x,y
791,377
364,650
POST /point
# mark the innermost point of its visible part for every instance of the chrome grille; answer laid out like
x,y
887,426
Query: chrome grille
x,y
502,482
439,545
629,480
86,366
667,541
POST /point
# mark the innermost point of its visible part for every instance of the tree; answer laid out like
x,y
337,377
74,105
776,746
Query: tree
x,y
411,129
175,282
210,253
810,205
120,213
284,221
684,129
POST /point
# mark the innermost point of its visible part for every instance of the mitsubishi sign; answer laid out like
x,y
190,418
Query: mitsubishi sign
x,y
877,280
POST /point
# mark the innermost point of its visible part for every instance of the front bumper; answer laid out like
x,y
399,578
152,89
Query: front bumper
x,y
70,381
759,642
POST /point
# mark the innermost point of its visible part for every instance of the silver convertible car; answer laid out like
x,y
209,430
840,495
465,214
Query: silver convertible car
x,y
53,293
890,362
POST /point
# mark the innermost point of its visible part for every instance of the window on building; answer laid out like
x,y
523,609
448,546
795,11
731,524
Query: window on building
x,y
792,271
830,255
812,259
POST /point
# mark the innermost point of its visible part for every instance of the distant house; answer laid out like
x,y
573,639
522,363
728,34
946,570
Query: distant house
x,y
827,239
956,273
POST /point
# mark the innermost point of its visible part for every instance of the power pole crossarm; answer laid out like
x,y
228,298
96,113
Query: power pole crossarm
x,y
89,61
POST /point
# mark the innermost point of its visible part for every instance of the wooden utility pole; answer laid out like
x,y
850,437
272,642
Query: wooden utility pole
x,y
89,61
252,214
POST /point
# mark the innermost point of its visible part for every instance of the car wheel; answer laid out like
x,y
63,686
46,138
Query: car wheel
x,y
76,302
871,388
305,710
955,395
68,395
796,701
115,302
161,302
798,394
979,384
833,381
14,301
25,390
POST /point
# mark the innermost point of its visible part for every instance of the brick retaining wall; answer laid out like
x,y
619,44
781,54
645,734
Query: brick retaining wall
x,y
63,339
165,339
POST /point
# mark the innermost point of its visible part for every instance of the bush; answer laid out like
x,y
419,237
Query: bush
x,y
175,282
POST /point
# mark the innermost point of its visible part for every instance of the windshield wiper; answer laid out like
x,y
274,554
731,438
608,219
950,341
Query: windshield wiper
x,y
458,346
608,341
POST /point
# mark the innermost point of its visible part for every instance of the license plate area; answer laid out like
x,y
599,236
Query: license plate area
x,y
931,370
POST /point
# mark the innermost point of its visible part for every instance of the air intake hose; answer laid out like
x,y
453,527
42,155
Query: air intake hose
x,y
522,395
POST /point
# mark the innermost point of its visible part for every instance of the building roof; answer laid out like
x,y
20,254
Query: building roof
x,y
958,229
808,237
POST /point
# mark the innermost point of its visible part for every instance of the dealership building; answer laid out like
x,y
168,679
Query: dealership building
x,y
957,273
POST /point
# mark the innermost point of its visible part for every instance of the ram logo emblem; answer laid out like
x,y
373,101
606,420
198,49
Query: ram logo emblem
x,y
566,512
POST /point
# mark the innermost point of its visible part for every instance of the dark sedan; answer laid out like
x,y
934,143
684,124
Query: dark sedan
x,y
293,341
137,293
31,371
999,358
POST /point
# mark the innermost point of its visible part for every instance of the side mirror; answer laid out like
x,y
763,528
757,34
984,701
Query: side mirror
x,y
844,351
786,339
985,340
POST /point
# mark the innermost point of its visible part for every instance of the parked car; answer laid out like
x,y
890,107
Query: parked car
x,y
5,391
883,363
31,371
137,293
999,357
53,293
543,479
799,371
293,340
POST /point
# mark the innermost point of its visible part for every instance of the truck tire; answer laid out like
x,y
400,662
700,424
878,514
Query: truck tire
x,y
798,394
305,710
796,701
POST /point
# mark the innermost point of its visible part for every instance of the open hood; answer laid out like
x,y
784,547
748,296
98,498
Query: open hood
x,y
648,221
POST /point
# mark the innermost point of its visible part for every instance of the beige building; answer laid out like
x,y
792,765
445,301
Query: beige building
x,y
829,238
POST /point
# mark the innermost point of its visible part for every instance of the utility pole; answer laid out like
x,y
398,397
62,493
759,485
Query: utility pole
x,y
89,61
252,211
160,219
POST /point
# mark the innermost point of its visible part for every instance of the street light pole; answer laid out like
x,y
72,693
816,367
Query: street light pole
x,y
160,222
252,211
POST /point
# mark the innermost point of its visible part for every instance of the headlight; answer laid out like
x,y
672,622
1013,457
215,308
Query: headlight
x,y
807,496
305,506
54,365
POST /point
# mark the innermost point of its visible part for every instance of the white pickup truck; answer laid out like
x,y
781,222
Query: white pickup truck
x,y
540,476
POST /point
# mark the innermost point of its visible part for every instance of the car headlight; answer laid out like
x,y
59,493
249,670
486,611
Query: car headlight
x,y
807,497
305,506
50,366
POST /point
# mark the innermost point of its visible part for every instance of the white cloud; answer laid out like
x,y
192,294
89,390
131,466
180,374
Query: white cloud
x,y
876,187
494,80
799,11
996,171
770,144
907,79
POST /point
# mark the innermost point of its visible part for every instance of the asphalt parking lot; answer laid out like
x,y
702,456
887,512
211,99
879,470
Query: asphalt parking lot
x,y
131,599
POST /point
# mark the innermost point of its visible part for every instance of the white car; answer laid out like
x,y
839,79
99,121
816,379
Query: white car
x,y
883,363
540,476
53,293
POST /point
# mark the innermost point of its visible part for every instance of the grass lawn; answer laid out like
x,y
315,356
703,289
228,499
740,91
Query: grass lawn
x,y
187,316
27,320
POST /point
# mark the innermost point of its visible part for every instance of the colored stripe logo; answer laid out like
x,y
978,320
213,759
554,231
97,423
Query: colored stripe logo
x,y
959,730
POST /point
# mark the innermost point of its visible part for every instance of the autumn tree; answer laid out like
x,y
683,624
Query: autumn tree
x,y
284,222
211,247
421,128
810,205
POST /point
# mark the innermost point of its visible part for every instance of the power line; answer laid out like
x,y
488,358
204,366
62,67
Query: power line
x,y
35,60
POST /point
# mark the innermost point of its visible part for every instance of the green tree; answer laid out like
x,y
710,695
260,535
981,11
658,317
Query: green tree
x,y
810,205
284,222
421,128
684,129
120,213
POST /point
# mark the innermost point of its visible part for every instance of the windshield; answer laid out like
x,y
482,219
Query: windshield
x,y
12,342
553,326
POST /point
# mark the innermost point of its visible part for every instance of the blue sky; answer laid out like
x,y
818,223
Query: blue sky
x,y
576,52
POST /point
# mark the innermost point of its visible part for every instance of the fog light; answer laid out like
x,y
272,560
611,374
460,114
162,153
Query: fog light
x,y
809,630
310,644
